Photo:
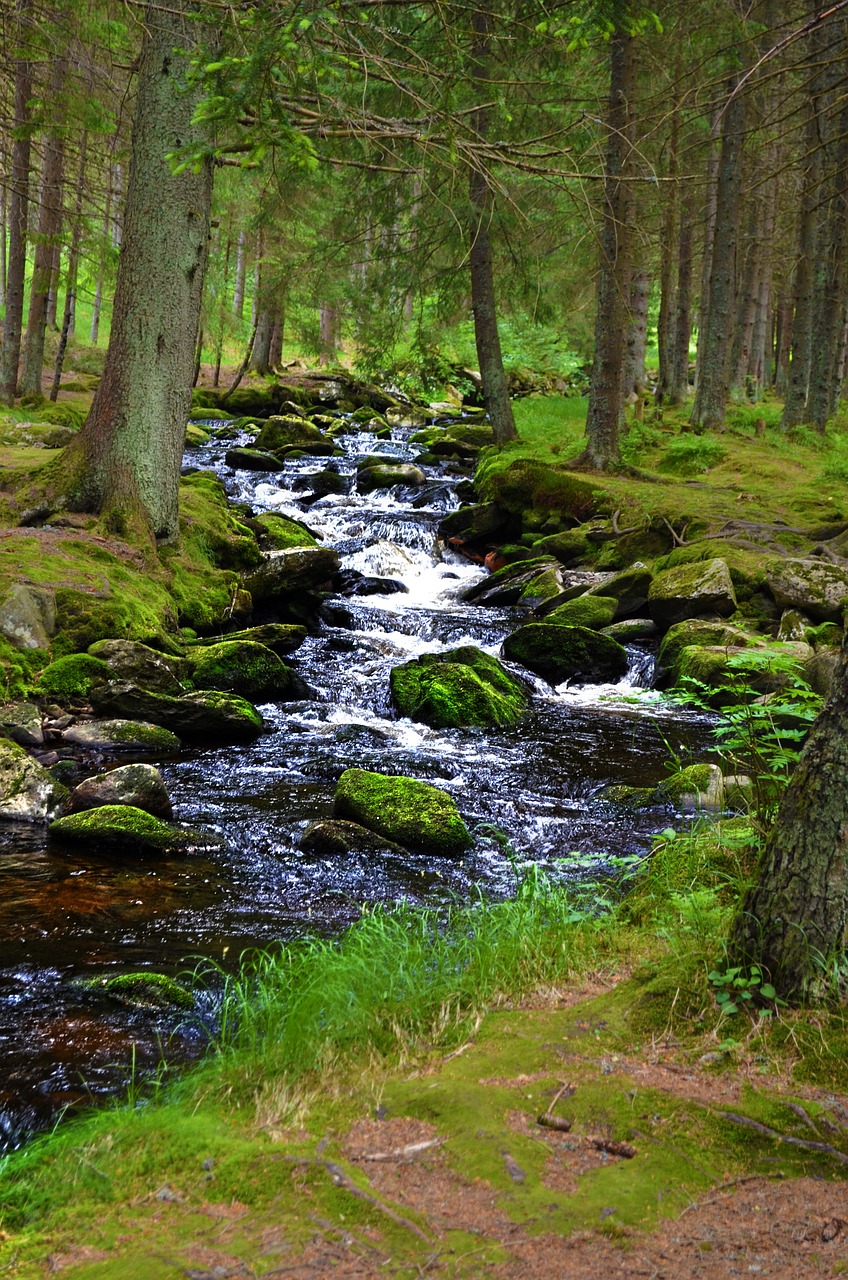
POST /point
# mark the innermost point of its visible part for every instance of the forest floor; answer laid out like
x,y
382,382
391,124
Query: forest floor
x,y
442,1169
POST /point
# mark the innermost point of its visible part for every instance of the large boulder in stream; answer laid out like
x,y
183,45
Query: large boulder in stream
x,y
128,832
139,664
507,585
407,812
458,689
241,459
110,736
207,717
28,793
688,590
285,572
386,475
283,433
559,653
281,637
241,666
139,785
594,612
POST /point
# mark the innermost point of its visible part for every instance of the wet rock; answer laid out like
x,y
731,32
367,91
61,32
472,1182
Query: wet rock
x,y
559,653
820,589
543,587
207,716
240,666
794,625
328,482
461,688
388,475
475,523
333,835
507,585
283,433
122,735
144,990
298,569
691,589
697,632
252,460
139,664
28,793
352,583
139,785
408,812
127,832
281,533
630,629
21,721
594,612
281,637
697,788
28,617
70,679
629,589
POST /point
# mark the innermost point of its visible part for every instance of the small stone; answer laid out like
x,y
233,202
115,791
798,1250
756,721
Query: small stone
x,y
126,831
21,721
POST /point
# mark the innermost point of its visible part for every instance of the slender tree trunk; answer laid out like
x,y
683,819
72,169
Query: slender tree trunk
x,y
637,335
793,922
678,391
55,275
47,243
73,272
219,340
328,333
606,394
262,342
708,234
275,350
101,266
783,340
665,320
4,179
711,395
487,336
238,291
18,210
746,315
125,463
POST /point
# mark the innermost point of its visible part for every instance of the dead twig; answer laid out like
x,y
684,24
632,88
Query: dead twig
x,y
341,1179
824,1147
403,1153
678,539
547,1119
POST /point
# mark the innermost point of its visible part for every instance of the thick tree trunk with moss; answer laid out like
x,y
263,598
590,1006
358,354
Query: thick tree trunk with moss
x,y
606,394
126,460
18,204
793,921
486,334
711,394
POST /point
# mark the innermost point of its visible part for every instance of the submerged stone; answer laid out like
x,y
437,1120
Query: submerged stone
x,y
28,793
138,785
334,835
144,990
410,813
122,829
458,689
559,653
122,735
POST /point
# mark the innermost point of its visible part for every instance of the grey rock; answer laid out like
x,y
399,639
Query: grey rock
x,y
21,721
28,617
688,590
139,785
820,589
208,716
297,569
334,835
28,793
139,664
794,625
137,736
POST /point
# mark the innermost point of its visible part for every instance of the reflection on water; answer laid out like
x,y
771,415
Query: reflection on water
x,y
67,917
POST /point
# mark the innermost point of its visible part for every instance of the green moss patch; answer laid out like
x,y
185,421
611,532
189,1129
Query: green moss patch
x,y
240,666
280,532
144,990
70,679
559,653
589,611
408,812
121,829
457,689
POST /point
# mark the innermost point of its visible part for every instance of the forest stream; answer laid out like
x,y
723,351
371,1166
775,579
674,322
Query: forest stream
x,y
66,917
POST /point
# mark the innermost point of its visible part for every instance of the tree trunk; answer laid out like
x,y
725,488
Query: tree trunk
x,y
328,329
18,208
678,391
126,460
782,341
275,350
487,336
711,394
73,272
47,243
707,253
238,291
793,920
606,394
4,179
665,320
262,342
637,335
101,266
746,315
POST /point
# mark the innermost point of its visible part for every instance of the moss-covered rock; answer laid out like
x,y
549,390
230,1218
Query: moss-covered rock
x,y
195,436
588,610
696,632
693,788
139,664
794,625
410,813
128,832
139,785
629,589
568,546
559,653
242,459
630,629
113,736
144,990
21,721
480,522
281,637
505,586
70,680
282,433
28,793
819,588
295,570
458,689
704,664
240,666
28,616
387,475
207,716
335,836
690,590
528,484
544,586
281,532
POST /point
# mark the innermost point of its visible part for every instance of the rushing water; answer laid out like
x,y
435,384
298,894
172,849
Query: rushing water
x,y
66,917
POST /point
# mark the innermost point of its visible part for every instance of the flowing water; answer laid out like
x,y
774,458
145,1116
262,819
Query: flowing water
x,y
65,918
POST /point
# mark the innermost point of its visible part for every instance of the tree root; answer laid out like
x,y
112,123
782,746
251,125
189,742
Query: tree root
x,y
824,1147
341,1179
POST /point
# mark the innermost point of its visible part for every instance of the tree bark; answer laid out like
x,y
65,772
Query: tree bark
x,y
275,349
708,235
606,394
4,178
678,390
637,335
711,394
18,210
328,333
238,291
125,463
793,920
262,343
101,265
666,318
47,243
782,340
487,337
73,272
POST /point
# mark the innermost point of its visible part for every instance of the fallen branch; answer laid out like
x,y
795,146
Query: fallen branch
x,y
547,1121
622,1149
824,1147
341,1179
678,539
403,1153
